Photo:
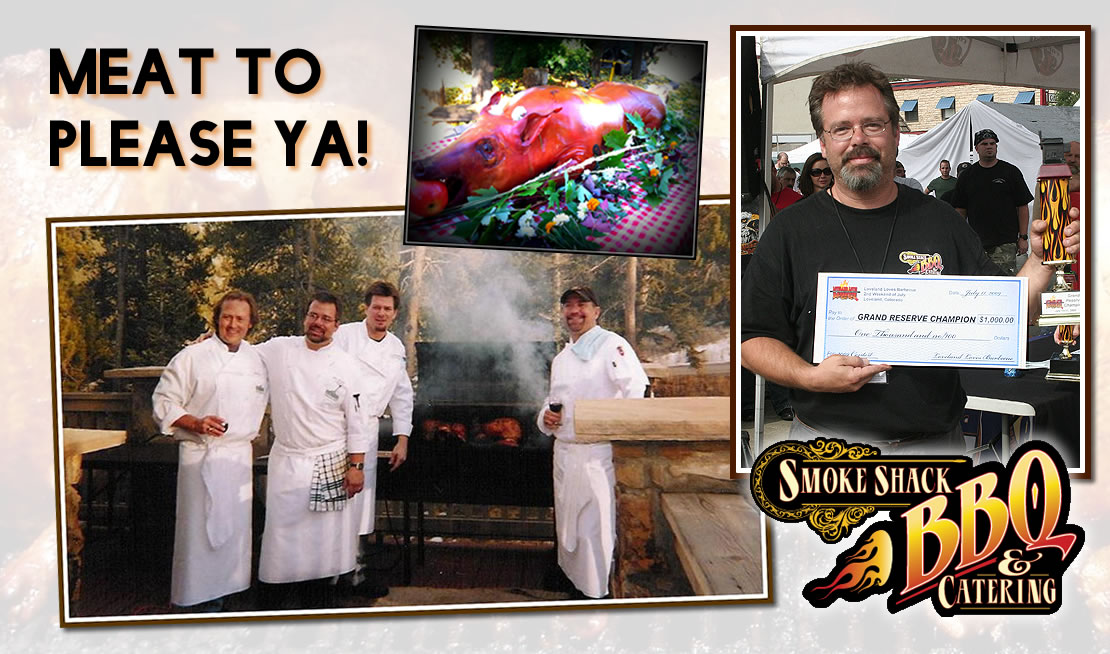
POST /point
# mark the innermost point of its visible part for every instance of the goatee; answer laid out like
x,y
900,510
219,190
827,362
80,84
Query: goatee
x,y
861,177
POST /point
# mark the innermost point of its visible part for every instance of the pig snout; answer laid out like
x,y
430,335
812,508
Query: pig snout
x,y
432,170
424,169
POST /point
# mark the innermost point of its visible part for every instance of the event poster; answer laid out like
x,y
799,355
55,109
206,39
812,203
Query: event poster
x,y
363,90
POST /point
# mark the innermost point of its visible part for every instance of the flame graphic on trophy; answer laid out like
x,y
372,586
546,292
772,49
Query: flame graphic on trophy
x,y
1060,304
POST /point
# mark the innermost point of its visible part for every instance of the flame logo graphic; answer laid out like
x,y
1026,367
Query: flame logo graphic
x,y
1054,210
864,571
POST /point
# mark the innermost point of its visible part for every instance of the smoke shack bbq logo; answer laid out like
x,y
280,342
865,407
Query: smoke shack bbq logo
x,y
975,539
922,264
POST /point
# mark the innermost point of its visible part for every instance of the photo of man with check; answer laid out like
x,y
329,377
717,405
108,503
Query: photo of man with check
x,y
864,223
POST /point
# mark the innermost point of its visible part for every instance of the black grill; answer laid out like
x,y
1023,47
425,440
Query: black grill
x,y
472,384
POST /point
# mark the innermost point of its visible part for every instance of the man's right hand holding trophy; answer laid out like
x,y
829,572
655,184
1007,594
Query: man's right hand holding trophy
x,y
1057,185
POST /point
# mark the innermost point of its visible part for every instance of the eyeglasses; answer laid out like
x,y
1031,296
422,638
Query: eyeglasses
x,y
313,316
817,172
870,128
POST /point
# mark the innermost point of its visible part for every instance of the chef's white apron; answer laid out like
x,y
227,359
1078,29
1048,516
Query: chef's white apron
x,y
299,544
585,513
212,538
212,534
363,503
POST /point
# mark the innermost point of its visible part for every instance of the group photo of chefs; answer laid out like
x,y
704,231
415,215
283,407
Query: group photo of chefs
x,y
289,396
326,390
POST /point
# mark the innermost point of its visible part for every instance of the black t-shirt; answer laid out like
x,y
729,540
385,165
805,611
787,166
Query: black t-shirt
x,y
991,197
778,299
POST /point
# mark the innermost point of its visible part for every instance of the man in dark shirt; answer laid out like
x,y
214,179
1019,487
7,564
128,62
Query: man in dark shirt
x,y
943,184
994,197
865,223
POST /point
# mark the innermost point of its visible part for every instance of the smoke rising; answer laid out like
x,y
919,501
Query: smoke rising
x,y
484,296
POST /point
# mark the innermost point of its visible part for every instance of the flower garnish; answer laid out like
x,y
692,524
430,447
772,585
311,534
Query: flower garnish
x,y
527,229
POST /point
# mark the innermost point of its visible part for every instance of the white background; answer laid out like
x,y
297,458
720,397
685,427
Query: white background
x,y
366,51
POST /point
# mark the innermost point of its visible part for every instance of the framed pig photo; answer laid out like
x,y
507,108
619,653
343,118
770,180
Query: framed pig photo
x,y
554,142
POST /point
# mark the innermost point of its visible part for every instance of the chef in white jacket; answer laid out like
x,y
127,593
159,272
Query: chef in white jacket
x,y
211,399
595,364
317,459
381,356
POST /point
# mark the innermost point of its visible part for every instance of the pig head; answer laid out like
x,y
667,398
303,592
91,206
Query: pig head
x,y
537,130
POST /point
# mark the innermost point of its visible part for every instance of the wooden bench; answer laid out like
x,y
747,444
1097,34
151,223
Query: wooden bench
x,y
716,542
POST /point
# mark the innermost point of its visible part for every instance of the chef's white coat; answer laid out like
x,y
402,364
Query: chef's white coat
x,y
212,534
585,503
386,384
316,408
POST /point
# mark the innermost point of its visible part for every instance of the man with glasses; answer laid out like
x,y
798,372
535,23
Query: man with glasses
x,y
316,462
994,197
867,224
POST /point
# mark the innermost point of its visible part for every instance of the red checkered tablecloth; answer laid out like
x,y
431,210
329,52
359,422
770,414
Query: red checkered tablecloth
x,y
666,230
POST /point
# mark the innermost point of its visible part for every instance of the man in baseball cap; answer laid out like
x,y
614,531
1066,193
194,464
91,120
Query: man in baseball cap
x,y
993,196
595,364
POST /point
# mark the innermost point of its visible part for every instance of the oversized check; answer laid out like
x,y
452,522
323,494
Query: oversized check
x,y
911,320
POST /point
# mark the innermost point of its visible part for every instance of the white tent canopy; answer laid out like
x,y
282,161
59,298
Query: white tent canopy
x,y
1018,143
1050,60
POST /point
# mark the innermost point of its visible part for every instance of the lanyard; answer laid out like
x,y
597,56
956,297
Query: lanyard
x,y
889,238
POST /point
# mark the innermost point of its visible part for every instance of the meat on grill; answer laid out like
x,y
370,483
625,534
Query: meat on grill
x,y
436,430
505,431
501,431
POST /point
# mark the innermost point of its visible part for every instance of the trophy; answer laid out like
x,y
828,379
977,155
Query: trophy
x,y
1060,304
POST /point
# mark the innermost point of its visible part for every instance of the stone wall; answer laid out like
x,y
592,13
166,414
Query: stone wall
x,y
660,445
646,562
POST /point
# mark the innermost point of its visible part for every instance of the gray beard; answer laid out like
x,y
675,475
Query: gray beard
x,y
860,178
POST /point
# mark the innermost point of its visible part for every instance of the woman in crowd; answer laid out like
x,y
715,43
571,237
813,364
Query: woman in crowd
x,y
816,175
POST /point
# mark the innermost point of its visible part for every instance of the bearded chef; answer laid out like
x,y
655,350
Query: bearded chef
x,y
381,356
211,399
596,364
316,463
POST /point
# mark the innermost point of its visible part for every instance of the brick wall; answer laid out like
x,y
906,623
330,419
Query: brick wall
x,y
928,116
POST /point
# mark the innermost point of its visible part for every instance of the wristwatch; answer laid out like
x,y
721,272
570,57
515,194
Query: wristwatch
x,y
1024,237
358,466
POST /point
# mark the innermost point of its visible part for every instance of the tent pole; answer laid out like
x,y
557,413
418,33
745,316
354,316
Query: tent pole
x,y
764,216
